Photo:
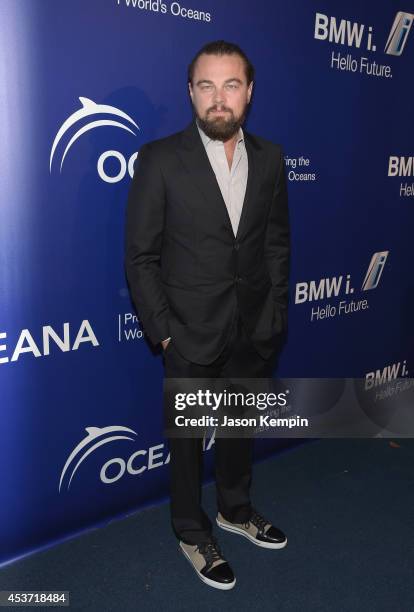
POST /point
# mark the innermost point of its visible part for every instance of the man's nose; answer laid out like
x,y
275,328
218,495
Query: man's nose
x,y
218,95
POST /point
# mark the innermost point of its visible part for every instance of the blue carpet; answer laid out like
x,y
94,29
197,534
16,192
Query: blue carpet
x,y
345,505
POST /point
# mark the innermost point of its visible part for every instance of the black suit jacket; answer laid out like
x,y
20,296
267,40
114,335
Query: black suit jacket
x,y
187,272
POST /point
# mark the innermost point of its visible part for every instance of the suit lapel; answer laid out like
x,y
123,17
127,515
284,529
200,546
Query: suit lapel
x,y
195,159
255,156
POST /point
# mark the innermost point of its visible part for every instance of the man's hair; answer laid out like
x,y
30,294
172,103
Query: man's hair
x,y
221,47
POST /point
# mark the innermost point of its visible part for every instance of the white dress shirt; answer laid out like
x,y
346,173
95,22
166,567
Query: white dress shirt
x,y
232,181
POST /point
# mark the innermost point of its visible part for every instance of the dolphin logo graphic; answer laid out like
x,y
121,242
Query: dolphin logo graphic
x,y
93,434
89,107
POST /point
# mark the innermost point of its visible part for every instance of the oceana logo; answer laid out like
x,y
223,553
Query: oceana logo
x,y
89,111
139,461
97,436
63,341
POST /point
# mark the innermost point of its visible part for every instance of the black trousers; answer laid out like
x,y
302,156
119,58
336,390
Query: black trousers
x,y
233,456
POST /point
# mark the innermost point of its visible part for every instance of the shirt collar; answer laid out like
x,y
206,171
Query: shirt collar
x,y
206,139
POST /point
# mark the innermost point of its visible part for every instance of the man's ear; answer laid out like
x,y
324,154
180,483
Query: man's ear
x,y
190,90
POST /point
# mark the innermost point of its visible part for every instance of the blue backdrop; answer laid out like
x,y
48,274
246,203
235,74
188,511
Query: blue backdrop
x,y
83,85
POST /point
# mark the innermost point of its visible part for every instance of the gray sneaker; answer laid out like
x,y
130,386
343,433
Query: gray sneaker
x,y
257,529
209,564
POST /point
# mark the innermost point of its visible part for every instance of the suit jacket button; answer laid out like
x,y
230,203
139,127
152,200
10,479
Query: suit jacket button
x,y
236,246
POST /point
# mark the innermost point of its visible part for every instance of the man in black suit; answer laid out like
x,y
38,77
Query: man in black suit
x,y
207,260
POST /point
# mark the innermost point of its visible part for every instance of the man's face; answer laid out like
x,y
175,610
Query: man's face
x,y
220,94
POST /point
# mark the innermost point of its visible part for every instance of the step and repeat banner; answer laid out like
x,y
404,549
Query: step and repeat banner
x,y
84,84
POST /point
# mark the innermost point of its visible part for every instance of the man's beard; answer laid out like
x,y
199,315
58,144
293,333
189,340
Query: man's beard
x,y
221,127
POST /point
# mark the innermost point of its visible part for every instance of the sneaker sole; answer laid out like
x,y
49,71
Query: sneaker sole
x,y
275,546
223,586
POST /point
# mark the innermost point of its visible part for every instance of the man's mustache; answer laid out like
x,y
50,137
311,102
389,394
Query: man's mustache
x,y
214,108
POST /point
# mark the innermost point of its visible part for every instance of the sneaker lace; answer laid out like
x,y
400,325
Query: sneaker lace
x,y
258,520
210,551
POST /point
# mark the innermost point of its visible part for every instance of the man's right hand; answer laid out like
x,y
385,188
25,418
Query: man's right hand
x,y
165,342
